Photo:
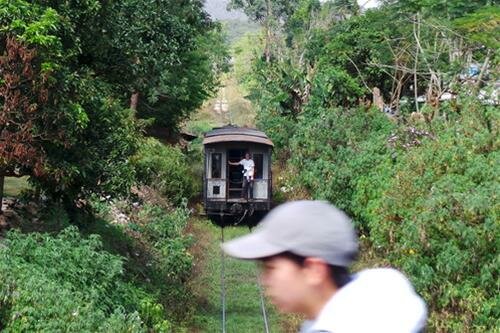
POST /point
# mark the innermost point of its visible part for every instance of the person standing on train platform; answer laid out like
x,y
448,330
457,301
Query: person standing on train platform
x,y
248,175
305,249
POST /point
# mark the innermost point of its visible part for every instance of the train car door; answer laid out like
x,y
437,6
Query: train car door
x,y
260,187
235,173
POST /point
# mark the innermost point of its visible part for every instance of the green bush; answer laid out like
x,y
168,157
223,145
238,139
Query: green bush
x,y
425,196
65,283
171,262
333,148
164,168
436,217
165,231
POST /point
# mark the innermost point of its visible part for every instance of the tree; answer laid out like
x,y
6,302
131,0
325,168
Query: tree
x,y
21,93
482,26
185,85
25,120
68,124
270,14
437,8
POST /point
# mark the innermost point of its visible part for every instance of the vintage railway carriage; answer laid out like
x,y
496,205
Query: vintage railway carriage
x,y
223,183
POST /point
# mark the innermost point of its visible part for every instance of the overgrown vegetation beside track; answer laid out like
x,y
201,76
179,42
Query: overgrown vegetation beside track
x,y
125,271
82,82
98,241
355,104
430,208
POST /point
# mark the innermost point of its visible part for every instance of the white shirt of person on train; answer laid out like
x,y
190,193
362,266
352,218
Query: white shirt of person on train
x,y
376,300
248,166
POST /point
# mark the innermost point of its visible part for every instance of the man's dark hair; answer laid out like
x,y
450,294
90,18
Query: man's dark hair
x,y
339,274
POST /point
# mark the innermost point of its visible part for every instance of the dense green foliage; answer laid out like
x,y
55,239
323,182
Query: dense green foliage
x,y
81,67
106,277
339,146
85,294
172,264
434,212
80,84
166,169
419,176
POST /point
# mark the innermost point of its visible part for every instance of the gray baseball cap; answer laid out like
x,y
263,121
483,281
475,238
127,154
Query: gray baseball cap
x,y
305,228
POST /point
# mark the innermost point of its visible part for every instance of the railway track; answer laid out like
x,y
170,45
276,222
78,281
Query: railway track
x,y
225,311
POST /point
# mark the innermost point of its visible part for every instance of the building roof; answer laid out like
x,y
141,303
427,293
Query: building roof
x,y
234,133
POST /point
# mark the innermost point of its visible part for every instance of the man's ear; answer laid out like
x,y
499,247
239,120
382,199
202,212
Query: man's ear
x,y
317,270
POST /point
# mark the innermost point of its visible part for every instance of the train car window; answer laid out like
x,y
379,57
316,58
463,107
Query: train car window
x,y
259,165
216,190
216,165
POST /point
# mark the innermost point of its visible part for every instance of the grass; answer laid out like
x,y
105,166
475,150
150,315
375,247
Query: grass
x,y
243,312
14,186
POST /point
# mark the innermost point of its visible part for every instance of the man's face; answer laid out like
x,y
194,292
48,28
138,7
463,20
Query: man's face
x,y
285,284
247,156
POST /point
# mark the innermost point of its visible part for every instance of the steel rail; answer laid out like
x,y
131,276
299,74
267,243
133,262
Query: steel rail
x,y
262,304
223,293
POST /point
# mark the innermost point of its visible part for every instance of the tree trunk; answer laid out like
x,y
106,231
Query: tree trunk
x,y
484,67
378,100
415,67
134,99
267,49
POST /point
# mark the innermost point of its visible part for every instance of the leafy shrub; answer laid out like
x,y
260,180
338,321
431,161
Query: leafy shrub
x,y
334,147
165,231
164,168
436,217
64,283
425,196
171,262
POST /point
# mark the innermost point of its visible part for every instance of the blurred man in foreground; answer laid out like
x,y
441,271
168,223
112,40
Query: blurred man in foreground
x,y
305,248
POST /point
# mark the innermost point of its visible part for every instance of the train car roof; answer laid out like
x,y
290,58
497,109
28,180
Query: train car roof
x,y
234,133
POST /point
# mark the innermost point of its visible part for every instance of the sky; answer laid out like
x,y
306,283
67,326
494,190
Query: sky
x,y
217,9
368,3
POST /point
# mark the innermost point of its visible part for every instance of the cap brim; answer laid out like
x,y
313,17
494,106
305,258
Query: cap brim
x,y
252,246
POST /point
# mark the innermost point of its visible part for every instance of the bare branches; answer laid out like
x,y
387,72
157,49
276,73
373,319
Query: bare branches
x,y
483,70
419,59
416,33
359,73
399,67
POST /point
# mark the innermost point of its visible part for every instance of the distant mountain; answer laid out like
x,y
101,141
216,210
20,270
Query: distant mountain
x,y
235,23
217,9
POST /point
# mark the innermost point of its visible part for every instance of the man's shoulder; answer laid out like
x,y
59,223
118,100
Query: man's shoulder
x,y
383,297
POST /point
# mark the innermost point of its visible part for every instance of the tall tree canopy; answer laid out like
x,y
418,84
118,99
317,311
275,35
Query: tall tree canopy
x,y
69,71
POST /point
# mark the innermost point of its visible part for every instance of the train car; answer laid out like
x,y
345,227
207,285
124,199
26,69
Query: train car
x,y
223,183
